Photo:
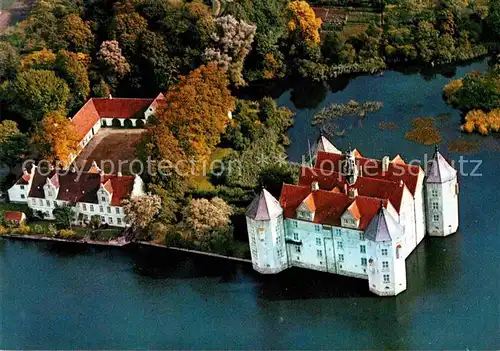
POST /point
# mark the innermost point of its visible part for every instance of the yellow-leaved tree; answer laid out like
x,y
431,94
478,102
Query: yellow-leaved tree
x,y
303,22
56,139
192,118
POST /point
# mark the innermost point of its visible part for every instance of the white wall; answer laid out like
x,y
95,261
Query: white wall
x,y
442,208
18,193
267,245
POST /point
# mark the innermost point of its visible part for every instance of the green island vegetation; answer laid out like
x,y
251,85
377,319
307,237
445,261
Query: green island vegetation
x,y
463,146
350,108
387,125
424,131
478,95
198,54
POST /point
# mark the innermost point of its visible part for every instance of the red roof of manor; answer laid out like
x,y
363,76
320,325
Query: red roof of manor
x,y
85,118
329,206
371,168
370,187
97,108
122,187
13,216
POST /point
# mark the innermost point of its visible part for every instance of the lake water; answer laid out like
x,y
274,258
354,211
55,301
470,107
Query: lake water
x,y
68,296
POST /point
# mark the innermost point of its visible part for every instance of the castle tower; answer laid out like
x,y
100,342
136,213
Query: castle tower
x,y
325,145
266,234
441,190
349,168
386,263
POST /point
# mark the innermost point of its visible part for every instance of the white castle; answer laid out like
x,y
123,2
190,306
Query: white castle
x,y
354,216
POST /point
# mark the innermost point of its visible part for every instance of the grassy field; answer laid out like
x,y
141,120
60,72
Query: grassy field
x,y
202,182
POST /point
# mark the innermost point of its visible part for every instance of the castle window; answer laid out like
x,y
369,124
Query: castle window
x,y
296,236
341,258
340,245
47,202
297,248
387,278
50,193
33,201
110,220
55,203
119,220
22,187
261,234
84,207
361,236
385,265
435,206
319,253
91,208
40,201
109,209
22,196
103,199
318,241
117,210
295,224
363,261
280,253
384,252
337,231
435,218
317,228
434,193
362,248
101,209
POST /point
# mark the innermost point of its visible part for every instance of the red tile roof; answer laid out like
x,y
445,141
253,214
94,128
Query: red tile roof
x,y
97,108
13,216
371,168
85,118
122,187
330,206
121,108
370,187
74,187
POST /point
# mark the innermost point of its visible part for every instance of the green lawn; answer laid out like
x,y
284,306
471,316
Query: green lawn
x,y
202,182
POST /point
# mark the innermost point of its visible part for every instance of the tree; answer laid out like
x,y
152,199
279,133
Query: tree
x,y
205,219
233,41
43,59
141,210
13,143
75,74
64,216
273,177
194,114
77,33
9,60
493,19
56,139
110,56
303,22
33,93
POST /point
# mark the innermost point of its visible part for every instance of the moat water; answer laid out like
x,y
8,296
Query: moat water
x,y
55,296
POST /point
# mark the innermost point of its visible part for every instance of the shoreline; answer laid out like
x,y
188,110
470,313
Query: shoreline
x,y
120,243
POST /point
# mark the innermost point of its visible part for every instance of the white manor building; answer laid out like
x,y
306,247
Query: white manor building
x,y
91,193
354,216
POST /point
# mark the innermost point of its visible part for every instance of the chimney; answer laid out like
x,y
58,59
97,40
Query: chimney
x,y
385,163
25,172
353,192
119,174
110,97
314,186
401,183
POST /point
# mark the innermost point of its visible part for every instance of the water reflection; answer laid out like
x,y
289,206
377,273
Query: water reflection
x,y
308,94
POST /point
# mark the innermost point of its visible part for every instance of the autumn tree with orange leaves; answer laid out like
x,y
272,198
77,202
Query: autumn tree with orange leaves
x,y
303,22
194,115
56,139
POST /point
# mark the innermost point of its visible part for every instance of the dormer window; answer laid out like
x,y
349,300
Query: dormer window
x,y
103,199
50,193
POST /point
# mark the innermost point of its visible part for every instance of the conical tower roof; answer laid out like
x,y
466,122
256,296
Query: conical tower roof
x,y
325,145
439,170
264,207
383,227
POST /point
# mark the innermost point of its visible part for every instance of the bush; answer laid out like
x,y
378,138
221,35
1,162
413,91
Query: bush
x,y
3,230
22,229
36,229
66,233
50,230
